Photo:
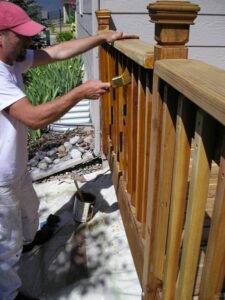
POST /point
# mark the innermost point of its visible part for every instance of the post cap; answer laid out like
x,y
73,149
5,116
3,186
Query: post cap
x,y
173,12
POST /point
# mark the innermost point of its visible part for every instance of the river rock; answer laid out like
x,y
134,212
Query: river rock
x,y
67,146
43,165
48,160
75,153
74,140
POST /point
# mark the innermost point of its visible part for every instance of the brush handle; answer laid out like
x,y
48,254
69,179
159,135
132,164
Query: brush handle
x,y
78,190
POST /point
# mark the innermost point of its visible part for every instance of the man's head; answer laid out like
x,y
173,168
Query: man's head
x,y
14,18
16,30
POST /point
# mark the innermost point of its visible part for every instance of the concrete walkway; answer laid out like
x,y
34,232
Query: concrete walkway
x,y
83,261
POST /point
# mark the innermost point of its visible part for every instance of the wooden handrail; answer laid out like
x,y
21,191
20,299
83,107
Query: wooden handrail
x,y
138,51
203,84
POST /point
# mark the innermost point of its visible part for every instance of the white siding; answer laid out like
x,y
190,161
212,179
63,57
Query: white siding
x,y
207,36
87,25
206,43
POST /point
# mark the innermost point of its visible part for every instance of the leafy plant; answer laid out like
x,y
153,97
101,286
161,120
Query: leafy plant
x,y
63,36
48,82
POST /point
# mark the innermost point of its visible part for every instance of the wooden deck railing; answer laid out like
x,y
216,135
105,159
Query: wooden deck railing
x,y
164,137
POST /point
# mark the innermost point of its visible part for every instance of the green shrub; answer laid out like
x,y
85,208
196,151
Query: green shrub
x,y
63,36
48,82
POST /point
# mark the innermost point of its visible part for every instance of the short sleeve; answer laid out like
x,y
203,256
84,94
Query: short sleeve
x,y
9,91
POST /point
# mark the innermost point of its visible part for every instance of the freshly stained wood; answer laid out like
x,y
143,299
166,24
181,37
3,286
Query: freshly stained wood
x,y
150,282
178,197
140,52
204,144
201,83
133,132
213,272
165,178
132,228
140,142
148,116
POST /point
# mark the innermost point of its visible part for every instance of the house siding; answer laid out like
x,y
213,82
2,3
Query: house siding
x,y
206,42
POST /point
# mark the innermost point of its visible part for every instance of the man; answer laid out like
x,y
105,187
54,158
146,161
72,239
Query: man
x,y
18,201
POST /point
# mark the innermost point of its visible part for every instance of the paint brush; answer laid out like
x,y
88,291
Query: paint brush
x,y
121,80
78,190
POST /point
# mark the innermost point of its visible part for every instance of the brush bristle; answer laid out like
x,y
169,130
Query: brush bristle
x,y
126,77
121,80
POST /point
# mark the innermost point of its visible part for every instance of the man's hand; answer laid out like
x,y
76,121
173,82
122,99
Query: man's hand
x,y
94,89
112,36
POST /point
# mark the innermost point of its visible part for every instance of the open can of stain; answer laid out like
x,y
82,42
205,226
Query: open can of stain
x,y
83,209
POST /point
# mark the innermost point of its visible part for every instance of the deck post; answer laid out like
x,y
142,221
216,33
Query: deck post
x,y
172,24
103,18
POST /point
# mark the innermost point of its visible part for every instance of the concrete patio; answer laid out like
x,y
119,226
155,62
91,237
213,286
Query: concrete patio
x,y
83,261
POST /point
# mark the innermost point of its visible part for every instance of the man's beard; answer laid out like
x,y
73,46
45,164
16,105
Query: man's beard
x,y
22,56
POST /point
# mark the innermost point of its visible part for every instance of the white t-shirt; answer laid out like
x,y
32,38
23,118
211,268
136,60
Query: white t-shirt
x,y
13,133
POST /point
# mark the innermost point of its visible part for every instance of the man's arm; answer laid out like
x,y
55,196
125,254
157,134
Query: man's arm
x,y
72,48
44,114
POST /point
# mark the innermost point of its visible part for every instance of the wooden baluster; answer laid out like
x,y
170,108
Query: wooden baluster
x,y
129,131
120,112
184,132
117,95
173,19
165,177
198,191
103,17
118,125
113,95
126,90
110,106
150,282
148,116
133,132
140,142
213,270
111,74
108,95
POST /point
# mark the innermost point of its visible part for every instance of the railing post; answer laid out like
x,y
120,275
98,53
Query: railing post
x,y
172,23
103,18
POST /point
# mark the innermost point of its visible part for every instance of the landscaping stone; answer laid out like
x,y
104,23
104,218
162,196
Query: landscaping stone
x,y
75,145
74,140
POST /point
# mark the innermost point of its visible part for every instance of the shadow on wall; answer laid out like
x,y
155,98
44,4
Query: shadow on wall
x,y
78,255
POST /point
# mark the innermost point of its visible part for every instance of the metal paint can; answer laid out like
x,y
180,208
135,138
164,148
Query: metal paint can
x,y
83,210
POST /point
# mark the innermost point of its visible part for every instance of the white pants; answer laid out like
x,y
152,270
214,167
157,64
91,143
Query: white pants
x,y
18,225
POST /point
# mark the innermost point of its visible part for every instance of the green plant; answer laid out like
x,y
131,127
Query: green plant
x,y
51,81
63,36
